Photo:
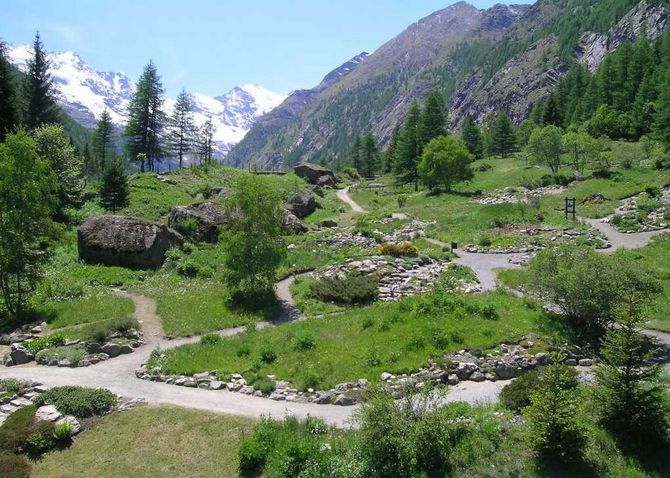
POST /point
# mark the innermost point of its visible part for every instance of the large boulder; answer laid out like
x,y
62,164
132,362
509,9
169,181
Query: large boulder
x,y
125,242
291,224
200,222
302,204
313,173
20,355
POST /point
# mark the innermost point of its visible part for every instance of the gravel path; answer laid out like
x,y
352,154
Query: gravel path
x,y
618,239
343,195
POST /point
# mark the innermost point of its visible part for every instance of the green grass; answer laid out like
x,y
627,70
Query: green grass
x,y
149,442
394,337
93,308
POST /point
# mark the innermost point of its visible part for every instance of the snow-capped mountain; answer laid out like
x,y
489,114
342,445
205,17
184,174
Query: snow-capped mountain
x,y
84,93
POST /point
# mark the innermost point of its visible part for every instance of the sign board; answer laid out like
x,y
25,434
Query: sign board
x,y
571,207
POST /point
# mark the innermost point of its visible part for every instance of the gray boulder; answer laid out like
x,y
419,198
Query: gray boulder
x,y
20,355
47,413
326,181
344,401
312,173
125,242
200,222
302,204
75,426
291,224
113,350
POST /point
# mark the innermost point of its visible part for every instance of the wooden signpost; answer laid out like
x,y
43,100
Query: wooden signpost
x,y
571,208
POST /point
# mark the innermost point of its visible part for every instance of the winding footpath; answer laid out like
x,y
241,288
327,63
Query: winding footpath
x,y
118,374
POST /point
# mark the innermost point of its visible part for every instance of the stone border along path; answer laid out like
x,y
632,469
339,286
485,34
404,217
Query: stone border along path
x,y
118,375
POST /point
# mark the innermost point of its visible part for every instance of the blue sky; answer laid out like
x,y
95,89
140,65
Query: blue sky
x,y
210,46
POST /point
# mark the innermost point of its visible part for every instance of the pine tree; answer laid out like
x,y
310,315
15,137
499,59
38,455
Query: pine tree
x,y
114,190
38,88
145,119
391,150
182,127
409,149
355,160
370,155
503,135
472,136
9,110
662,116
433,121
206,141
552,112
102,140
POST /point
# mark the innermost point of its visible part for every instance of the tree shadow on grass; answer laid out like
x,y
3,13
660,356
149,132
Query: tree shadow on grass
x,y
573,467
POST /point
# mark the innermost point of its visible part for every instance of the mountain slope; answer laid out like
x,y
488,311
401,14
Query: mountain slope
x,y
376,93
84,93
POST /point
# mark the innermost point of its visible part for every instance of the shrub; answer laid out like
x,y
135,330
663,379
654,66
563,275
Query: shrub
x,y
72,353
652,191
303,341
252,457
99,332
186,226
265,385
483,167
63,432
190,268
41,343
268,355
404,249
354,288
485,241
80,402
516,394
211,339
402,200
16,429
10,385
14,466
41,439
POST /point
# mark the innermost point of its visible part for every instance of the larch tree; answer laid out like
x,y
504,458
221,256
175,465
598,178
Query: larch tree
x,y
206,141
503,135
9,109
102,140
370,155
433,121
114,189
472,136
38,88
182,127
390,152
355,160
146,119
409,149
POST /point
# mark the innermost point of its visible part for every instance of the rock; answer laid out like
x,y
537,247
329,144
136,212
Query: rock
x,y
20,355
111,349
125,242
465,369
542,358
323,398
302,204
7,360
505,371
362,383
325,181
247,390
453,379
64,363
190,383
205,219
586,362
93,348
477,376
328,223
386,376
277,396
291,224
125,349
571,362
75,426
344,400
47,413
313,173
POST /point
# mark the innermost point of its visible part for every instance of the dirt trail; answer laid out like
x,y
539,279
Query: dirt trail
x,y
343,195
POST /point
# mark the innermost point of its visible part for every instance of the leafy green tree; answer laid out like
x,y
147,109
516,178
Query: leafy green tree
x,y
370,155
114,188
182,127
355,160
526,127
9,101
146,119
545,146
631,400
503,135
553,416
609,122
445,161
582,148
27,187
102,140
662,116
588,287
433,122
38,88
253,243
472,136
406,165
206,141
55,147
391,151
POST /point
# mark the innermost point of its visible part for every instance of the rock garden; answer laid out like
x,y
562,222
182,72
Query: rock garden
x,y
647,211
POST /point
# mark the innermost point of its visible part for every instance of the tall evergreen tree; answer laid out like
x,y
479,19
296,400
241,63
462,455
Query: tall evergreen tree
x,y
206,141
146,119
552,112
391,149
102,140
503,135
433,121
370,155
472,136
182,127
114,190
662,116
9,110
409,148
355,160
38,88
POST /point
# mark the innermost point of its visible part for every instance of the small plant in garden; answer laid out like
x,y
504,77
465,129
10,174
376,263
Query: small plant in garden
x,y
354,288
41,343
81,402
403,249
402,200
